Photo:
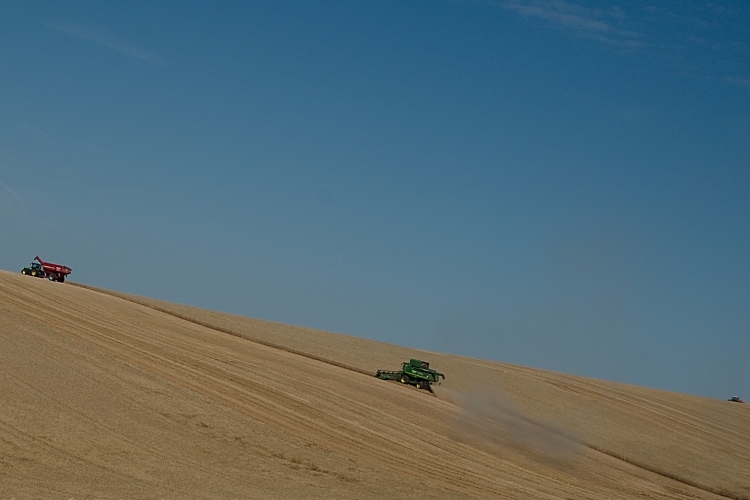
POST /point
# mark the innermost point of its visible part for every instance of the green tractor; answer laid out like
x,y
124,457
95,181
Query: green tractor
x,y
415,372
34,269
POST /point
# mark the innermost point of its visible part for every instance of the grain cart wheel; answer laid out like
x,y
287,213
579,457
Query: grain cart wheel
x,y
404,378
61,279
53,277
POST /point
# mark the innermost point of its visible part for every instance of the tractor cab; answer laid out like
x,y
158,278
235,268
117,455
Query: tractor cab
x,y
36,266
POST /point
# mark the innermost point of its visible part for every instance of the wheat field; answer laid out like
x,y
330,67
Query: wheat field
x,y
108,395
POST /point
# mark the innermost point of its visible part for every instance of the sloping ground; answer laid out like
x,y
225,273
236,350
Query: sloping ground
x,y
109,398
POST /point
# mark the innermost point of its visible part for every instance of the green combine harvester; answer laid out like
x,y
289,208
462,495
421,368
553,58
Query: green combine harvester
x,y
415,372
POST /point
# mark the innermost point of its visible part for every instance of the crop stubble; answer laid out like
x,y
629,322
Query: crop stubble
x,y
108,396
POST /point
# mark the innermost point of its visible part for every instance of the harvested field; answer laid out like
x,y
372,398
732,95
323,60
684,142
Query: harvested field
x,y
107,395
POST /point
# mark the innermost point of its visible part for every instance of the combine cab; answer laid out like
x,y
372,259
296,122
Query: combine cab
x,y
55,272
735,399
415,372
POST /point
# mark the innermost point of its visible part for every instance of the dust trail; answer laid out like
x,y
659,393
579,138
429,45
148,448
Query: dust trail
x,y
494,419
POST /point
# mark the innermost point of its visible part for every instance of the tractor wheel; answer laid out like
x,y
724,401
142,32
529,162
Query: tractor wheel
x,y
23,272
33,273
404,379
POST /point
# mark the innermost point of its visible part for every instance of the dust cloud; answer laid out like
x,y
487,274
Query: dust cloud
x,y
494,420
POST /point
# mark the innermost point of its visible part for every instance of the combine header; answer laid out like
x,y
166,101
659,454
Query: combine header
x,y
55,272
415,372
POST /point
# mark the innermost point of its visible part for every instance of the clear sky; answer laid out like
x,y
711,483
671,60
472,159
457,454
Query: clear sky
x,y
556,184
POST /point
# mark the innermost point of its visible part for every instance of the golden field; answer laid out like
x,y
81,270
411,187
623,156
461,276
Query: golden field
x,y
107,395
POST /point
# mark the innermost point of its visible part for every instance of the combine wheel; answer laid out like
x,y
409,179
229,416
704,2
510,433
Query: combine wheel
x,y
419,385
404,378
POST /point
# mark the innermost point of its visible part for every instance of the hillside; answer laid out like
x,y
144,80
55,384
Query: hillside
x,y
107,395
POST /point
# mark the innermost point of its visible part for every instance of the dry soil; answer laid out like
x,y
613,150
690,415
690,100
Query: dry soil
x,y
107,395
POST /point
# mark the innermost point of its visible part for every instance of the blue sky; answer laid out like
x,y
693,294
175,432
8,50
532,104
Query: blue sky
x,y
548,183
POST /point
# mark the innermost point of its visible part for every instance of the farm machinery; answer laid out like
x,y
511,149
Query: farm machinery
x,y
414,372
735,399
41,269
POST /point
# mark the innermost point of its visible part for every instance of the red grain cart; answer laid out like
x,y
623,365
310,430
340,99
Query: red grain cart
x,y
55,272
